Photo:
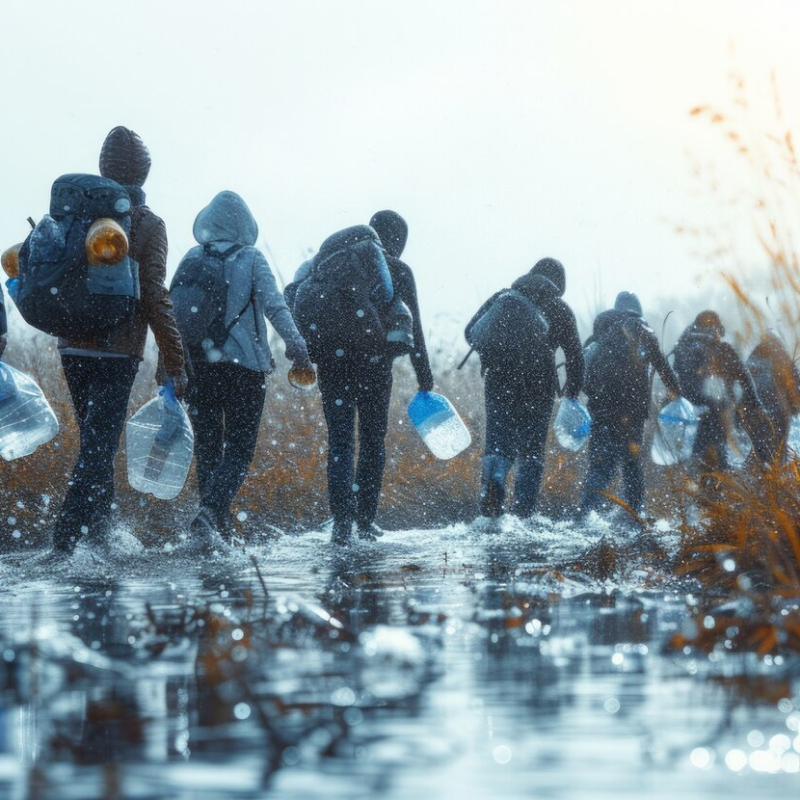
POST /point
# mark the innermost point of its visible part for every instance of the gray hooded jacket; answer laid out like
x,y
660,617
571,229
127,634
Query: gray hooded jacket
x,y
225,224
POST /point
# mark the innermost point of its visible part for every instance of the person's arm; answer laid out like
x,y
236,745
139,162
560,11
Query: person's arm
x,y
3,326
660,363
155,300
277,312
737,372
303,272
569,341
406,290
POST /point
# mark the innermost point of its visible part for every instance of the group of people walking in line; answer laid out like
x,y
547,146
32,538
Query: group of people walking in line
x,y
350,312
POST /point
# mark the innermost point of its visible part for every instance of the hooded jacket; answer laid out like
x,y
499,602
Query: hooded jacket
x,y
544,287
124,158
643,352
708,367
227,226
778,384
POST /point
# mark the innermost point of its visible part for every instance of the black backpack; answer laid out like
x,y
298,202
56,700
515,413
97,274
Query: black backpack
x,y
695,361
199,293
616,363
512,331
341,308
59,292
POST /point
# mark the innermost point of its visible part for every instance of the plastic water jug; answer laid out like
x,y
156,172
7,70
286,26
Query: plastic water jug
x,y
439,424
159,443
793,437
738,446
675,433
572,424
26,419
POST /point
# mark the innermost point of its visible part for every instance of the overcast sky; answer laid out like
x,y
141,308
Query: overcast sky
x,y
503,131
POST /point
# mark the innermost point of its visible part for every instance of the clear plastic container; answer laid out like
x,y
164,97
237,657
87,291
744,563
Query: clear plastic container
x,y
793,437
439,424
572,425
675,433
159,443
26,419
738,446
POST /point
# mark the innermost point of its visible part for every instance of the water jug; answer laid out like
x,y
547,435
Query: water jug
x,y
159,443
26,419
793,437
439,424
675,433
738,446
572,424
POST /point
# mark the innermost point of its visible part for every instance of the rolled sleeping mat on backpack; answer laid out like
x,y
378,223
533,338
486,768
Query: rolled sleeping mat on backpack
x,y
10,261
106,243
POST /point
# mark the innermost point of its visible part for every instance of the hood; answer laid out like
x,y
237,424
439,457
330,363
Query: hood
x,y
226,219
553,270
629,302
708,323
124,157
536,287
392,230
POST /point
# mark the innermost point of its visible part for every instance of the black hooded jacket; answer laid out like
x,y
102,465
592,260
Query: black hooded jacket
x,y
629,366
701,354
562,333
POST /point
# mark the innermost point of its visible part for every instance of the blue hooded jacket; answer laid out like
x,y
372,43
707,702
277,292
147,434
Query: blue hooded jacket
x,y
224,225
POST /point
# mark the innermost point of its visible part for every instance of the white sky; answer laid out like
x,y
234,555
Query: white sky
x,y
502,130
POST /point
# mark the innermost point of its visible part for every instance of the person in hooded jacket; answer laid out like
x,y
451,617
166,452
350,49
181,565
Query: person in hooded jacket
x,y
228,381
352,391
778,385
619,354
100,370
519,395
708,369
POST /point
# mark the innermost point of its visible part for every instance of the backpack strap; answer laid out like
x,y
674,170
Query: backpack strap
x,y
230,326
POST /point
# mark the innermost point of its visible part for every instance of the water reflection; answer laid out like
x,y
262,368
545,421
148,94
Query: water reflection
x,y
435,663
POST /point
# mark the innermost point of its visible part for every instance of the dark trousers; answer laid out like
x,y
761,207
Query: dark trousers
x,y
348,389
710,451
100,389
614,444
226,402
517,421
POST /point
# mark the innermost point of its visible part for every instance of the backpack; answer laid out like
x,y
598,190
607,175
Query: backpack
x,y
59,292
341,308
616,364
512,331
199,292
696,364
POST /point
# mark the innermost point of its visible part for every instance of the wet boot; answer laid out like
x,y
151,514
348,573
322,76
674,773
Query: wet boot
x,y
493,485
342,532
369,532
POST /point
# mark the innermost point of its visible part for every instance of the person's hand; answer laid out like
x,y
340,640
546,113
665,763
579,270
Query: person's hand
x,y
179,384
301,360
3,343
427,386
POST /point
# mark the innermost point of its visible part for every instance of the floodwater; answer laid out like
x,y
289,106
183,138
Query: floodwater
x,y
466,662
